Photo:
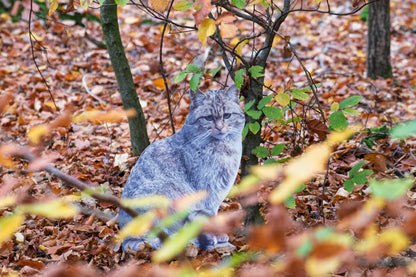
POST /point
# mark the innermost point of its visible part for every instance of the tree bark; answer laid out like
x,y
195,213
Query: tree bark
x,y
378,44
137,124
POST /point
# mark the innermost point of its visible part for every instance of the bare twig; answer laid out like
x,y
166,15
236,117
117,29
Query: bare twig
x,y
162,69
75,183
32,45
85,85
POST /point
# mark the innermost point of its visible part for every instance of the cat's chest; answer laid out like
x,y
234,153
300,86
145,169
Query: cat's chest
x,y
215,164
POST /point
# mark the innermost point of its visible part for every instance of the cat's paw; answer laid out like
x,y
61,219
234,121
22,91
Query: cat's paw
x,y
206,241
133,244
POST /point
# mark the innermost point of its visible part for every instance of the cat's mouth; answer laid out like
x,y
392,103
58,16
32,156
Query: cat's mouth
x,y
218,134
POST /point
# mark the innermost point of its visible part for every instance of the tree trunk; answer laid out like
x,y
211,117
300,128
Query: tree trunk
x,y
137,124
251,141
378,44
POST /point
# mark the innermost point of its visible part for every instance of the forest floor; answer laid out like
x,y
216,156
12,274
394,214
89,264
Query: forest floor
x,y
332,49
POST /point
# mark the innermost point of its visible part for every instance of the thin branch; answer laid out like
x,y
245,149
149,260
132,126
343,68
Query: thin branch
x,y
85,85
162,70
75,183
32,46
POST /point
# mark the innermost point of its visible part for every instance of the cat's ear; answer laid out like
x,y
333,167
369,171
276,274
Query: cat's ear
x,y
233,92
196,96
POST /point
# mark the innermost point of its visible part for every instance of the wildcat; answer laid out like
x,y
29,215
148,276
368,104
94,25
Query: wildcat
x,y
204,155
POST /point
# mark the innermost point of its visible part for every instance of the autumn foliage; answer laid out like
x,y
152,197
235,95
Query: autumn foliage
x,y
336,195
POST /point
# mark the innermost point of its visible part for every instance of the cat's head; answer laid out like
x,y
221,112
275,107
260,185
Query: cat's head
x,y
217,112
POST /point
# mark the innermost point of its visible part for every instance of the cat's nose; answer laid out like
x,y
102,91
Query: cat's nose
x,y
219,125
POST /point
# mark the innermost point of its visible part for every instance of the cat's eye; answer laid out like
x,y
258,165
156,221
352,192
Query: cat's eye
x,y
209,118
227,115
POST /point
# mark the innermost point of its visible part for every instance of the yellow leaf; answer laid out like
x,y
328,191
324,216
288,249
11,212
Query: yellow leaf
x,y
189,200
317,1
337,137
53,7
147,201
7,200
206,29
84,4
283,99
334,107
267,172
159,5
6,151
322,267
268,84
138,226
396,239
246,184
160,84
50,105
36,133
53,209
300,170
9,225
239,47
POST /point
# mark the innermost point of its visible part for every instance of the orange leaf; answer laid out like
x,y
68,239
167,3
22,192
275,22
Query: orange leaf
x,y
160,84
159,5
203,11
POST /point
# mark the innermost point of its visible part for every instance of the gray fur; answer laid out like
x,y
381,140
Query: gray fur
x,y
204,155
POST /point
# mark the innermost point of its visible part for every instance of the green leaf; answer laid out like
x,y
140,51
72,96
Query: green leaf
x,y
239,78
239,3
265,4
351,111
254,114
176,243
121,3
337,121
264,101
270,161
349,185
350,101
361,178
261,152
275,113
299,94
245,131
194,68
290,202
277,149
323,233
283,99
180,77
390,189
183,6
355,169
215,71
249,105
254,127
256,71
304,249
195,81
300,188
404,129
